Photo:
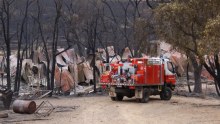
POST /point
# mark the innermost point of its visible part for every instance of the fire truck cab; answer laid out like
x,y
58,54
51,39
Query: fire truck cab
x,y
139,78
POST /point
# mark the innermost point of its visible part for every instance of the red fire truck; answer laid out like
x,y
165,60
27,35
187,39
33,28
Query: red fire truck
x,y
139,78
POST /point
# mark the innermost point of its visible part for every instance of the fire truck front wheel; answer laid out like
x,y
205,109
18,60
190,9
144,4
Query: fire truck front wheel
x,y
166,93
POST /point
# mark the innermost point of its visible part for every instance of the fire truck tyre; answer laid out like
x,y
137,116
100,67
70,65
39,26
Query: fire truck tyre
x,y
113,98
129,96
146,96
166,94
119,97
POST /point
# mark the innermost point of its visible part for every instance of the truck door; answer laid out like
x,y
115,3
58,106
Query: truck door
x,y
170,73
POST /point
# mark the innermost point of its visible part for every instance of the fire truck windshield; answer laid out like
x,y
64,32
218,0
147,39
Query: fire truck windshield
x,y
170,67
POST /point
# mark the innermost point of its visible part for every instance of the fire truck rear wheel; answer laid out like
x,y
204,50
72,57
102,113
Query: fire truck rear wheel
x,y
119,97
166,93
146,96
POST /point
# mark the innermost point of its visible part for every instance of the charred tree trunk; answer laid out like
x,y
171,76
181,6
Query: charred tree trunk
x,y
216,60
197,73
19,76
94,53
5,21
18,67
187,76
217,87
20,38
213,67
8,66
94,71
52,74
45,50
55,40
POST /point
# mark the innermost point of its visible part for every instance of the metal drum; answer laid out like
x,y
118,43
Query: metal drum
x,y
24,106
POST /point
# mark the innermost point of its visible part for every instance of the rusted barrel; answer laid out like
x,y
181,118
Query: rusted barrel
x,y
24,106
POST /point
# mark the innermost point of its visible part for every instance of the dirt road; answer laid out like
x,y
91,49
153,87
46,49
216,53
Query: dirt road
x,y
101,110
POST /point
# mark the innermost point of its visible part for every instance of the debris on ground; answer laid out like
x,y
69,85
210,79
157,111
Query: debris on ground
x,y
3,115
33,94
24,119
6,96
24,106
44,109
65,108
